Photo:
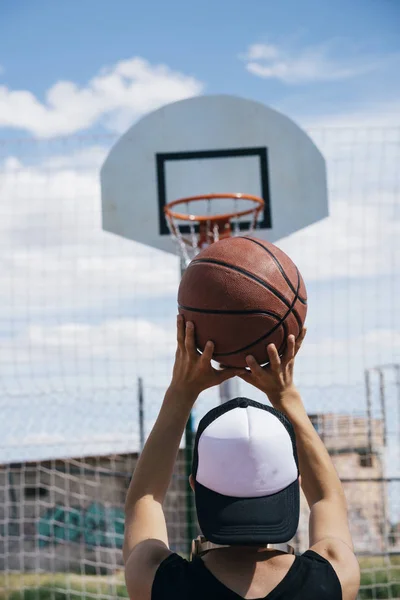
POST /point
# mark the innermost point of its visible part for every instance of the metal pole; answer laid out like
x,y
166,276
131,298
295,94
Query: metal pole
x,y
397,371
380,453
228,389
190,503
382,402
369,411
381,458
191,531
385,528
141,412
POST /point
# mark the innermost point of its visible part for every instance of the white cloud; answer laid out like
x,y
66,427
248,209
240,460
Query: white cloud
x,y
378,124
357,240
79,159
75,302
307,65
371,343
122,338
115,97
53,245
330,361
126,340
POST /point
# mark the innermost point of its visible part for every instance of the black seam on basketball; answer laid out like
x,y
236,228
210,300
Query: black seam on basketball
x,y
278,264
298,319
221,263
294,311
282,347
217,311
260,339
238,312
273,328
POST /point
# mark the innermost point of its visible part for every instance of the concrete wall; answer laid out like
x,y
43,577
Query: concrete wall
x,y
68,515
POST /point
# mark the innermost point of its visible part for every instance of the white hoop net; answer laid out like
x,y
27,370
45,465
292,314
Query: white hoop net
x,y
193,231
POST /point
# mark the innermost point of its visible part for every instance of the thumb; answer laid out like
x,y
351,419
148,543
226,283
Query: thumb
x,y
255,368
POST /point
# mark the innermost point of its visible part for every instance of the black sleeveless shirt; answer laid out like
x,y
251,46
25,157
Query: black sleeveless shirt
x,y
310,577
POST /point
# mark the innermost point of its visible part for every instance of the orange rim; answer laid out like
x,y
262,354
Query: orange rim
x,y
185,217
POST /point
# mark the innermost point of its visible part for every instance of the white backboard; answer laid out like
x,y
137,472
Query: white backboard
x,y
212,144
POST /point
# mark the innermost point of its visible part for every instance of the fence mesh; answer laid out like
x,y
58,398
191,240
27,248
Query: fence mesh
x,y
85,314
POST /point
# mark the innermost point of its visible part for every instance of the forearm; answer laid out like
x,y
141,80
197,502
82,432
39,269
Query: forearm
x,y
144,515
155,466
319,479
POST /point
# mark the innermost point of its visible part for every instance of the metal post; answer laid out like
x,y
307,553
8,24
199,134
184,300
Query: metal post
x,y
380,454
382,402
191,531
369,410
190,503
141,412
381,458
228,389
397,371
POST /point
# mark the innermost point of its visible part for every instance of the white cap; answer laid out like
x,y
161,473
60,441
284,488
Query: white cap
x,y
246,474
246,453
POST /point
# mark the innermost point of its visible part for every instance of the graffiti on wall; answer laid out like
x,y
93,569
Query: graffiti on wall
x,y
95,525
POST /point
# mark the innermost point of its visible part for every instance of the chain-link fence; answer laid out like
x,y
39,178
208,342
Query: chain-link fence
x,y
85,315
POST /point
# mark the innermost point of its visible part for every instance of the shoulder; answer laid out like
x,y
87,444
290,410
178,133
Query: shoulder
x,y
150,564
343,562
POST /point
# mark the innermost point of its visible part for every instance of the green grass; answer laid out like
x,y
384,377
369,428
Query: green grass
x,y
60,586
60,593
380,578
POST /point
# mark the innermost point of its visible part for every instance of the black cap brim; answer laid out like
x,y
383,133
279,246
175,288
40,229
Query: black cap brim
x,y
248,521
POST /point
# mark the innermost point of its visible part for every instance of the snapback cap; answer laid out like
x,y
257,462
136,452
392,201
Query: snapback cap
x,y
245,469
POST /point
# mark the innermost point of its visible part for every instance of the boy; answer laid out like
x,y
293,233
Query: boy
x,y
246,476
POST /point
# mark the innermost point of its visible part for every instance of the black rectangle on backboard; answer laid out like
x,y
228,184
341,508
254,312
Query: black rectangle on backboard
x,y
260,153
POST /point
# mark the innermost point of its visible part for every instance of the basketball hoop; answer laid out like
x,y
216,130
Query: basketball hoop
x,y
192,232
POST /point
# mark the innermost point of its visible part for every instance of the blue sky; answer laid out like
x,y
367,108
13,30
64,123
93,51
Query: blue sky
x,y
347,53
78,306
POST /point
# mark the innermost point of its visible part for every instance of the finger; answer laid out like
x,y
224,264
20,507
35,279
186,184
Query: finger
x,y
208,351
190,343
289,352
299,340
180,331
274,359
253,365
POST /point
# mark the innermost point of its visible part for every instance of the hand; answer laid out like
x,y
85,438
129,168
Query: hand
x,y
275,379
193,371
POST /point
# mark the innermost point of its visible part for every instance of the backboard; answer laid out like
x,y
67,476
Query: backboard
x,y
212,144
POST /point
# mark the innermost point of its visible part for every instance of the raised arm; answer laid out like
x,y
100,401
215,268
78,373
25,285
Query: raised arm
x,y
329,533
146,540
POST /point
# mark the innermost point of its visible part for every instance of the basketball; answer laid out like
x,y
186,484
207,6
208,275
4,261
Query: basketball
x,y
243,294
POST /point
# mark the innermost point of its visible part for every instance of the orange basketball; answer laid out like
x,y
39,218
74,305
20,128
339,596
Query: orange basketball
x,y
243,294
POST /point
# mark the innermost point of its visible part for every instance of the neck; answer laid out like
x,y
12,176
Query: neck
x,y
201,546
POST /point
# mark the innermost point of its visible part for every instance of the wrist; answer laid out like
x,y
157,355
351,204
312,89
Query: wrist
x,y
181,393
287,401
282,395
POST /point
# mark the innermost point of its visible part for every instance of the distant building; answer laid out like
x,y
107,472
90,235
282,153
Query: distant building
x,y
67,515
356,447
